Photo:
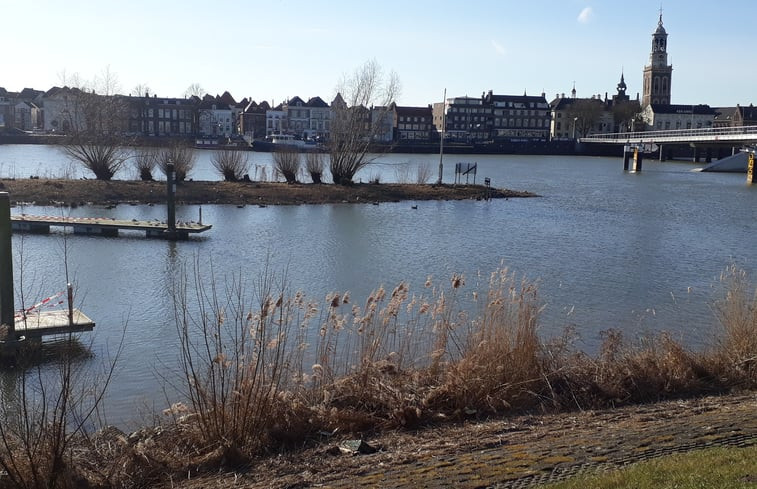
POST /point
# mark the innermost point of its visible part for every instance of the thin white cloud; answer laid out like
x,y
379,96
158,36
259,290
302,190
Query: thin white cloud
x,y
586,15
500,49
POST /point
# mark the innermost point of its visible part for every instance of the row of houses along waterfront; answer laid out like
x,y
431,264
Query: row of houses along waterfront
x,y
465,119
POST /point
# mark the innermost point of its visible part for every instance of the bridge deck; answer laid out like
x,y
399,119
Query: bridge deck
x,y
712,135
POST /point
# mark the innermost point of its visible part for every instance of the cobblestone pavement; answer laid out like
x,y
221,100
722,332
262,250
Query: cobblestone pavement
x,y
556,447
520,452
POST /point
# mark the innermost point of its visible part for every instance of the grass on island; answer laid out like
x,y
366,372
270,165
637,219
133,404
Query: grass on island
x,y
716,468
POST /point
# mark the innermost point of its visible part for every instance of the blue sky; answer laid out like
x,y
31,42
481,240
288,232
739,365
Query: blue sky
x,y
276,49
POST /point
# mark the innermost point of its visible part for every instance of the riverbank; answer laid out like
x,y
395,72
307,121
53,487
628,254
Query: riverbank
x,y
94,192
516,452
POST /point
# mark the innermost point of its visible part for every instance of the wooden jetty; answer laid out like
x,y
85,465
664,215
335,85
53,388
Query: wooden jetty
x,y
48,323
31,324
104,226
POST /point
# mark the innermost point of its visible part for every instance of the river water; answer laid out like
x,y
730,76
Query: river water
x,y
639,252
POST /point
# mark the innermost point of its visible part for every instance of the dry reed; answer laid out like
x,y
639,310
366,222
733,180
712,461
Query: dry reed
x,y
403,359
269,369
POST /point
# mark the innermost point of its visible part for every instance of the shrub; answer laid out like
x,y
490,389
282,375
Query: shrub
x,y
145,160
286,161
315,163
232,165
181,155
423,173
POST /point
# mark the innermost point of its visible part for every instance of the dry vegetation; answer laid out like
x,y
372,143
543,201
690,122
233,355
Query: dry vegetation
x,y
287,162
268,369
232,165
86,192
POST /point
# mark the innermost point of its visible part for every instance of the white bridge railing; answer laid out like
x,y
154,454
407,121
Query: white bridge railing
x,y
740,134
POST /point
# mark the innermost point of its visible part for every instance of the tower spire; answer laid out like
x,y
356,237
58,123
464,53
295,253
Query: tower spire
x,y
657,74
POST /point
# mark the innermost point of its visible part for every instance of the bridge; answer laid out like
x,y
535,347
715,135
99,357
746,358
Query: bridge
x,y
639,142
743,135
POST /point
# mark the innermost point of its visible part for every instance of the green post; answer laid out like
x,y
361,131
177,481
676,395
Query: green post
x,y
6,266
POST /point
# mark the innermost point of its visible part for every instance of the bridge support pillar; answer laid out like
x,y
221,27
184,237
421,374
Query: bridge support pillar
x,y
697,155
637,159
750,174
626,158
708,155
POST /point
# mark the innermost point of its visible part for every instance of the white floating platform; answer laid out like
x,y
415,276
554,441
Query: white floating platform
x,y
48,323
103,226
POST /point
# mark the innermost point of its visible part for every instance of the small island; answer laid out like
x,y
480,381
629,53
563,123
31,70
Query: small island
x,y
45,192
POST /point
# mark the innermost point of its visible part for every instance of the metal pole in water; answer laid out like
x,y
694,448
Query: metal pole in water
x,y
441,142
171,191
6,267
70,290
750,168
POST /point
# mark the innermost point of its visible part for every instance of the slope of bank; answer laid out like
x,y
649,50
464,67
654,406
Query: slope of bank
x,y
518,452
95,192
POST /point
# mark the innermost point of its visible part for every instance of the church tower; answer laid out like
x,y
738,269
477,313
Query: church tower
x,y
658,73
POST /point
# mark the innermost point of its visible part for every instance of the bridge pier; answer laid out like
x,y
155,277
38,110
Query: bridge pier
x,y
629,153
637,159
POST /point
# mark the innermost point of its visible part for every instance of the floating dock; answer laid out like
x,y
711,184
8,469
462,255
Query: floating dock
x,y
47,323
104,226
30,323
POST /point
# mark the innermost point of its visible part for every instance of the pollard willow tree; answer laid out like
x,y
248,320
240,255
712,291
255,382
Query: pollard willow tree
x,y
95,125
359,117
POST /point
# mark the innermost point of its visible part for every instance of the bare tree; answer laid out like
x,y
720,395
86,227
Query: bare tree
x,y
585,114
145,160
140,90
96,124
359,117
181,155
315,164
231,164
624,113
423,173
286,161
194,90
